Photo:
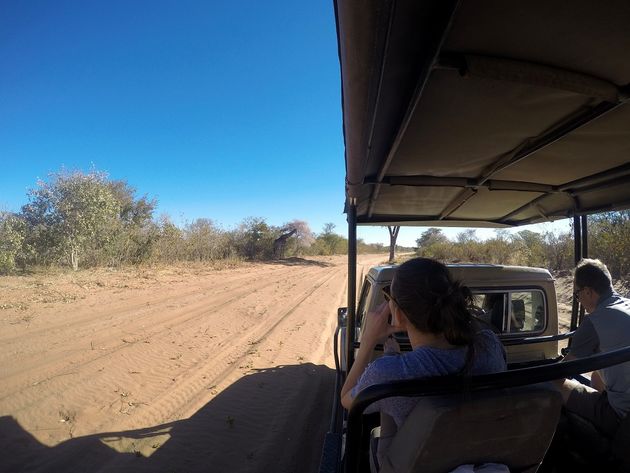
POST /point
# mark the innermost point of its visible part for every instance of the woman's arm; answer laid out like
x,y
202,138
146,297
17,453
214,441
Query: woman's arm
x,y
597,382
377,329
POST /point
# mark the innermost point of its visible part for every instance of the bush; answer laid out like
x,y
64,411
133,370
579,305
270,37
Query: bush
x,y
609,240
12,247
71,214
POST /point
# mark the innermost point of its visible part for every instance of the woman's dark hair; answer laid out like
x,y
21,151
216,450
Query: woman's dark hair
x,y
433,302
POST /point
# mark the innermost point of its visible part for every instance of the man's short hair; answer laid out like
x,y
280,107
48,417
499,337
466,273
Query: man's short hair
x,y
594,274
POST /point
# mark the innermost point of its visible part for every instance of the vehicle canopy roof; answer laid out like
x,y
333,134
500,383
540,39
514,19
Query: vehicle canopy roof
x,y
484,113
478,274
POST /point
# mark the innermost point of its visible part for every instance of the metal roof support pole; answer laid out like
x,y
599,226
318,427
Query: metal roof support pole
x,y
577,253
577,239
584,236
352,281
584,224
444,15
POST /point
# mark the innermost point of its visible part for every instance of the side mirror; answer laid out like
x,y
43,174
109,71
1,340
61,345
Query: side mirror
x,y
342,316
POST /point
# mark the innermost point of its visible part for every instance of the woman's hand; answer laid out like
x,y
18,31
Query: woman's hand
x,y
377,327
376,330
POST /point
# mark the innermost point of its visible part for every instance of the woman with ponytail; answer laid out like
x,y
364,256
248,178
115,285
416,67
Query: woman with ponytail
x,y
426,303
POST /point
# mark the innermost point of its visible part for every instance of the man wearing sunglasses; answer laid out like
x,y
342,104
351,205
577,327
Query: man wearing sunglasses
x,y
606,328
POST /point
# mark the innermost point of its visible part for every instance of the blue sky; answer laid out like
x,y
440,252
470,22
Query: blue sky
x,y
221,110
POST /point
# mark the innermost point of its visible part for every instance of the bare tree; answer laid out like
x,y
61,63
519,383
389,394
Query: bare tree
x,y
393,235
304,237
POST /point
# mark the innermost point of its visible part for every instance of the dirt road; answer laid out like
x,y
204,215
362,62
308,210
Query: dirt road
x,y
176,370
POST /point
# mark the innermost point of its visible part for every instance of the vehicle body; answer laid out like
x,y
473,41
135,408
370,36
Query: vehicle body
x,y
479,114
516,302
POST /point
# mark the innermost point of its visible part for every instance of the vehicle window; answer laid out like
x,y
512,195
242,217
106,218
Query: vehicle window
x,y
527,311
364,298
490,308
511,311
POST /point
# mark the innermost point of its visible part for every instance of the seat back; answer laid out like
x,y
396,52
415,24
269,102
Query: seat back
x,y
511,426
620,443
591,449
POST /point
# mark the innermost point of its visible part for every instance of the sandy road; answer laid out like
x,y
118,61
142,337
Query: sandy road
x,y
227,370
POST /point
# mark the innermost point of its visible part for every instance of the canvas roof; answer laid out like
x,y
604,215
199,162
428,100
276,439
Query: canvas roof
x,y
484,113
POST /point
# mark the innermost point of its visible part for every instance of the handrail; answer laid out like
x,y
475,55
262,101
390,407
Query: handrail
x,y
336,349
334,420
541,339
351,209
508,341
453,384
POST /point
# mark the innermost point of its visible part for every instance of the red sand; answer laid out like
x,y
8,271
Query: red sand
x,y
178,369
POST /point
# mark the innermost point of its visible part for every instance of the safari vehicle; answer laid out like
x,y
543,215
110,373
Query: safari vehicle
x,y
518,303
480,113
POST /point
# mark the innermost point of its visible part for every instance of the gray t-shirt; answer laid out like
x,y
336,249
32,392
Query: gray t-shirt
x,y
425,362
607,328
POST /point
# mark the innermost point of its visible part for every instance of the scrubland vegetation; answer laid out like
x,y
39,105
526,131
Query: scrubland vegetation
x,y
86,220
609,240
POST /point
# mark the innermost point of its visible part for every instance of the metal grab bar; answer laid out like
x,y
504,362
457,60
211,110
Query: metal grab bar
x,y
542,339
506,342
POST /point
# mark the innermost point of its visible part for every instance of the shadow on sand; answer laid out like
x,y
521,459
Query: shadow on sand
x,y
295,261
244,428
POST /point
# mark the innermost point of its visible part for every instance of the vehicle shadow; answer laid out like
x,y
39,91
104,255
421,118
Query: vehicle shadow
x,y
249,426
296,261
